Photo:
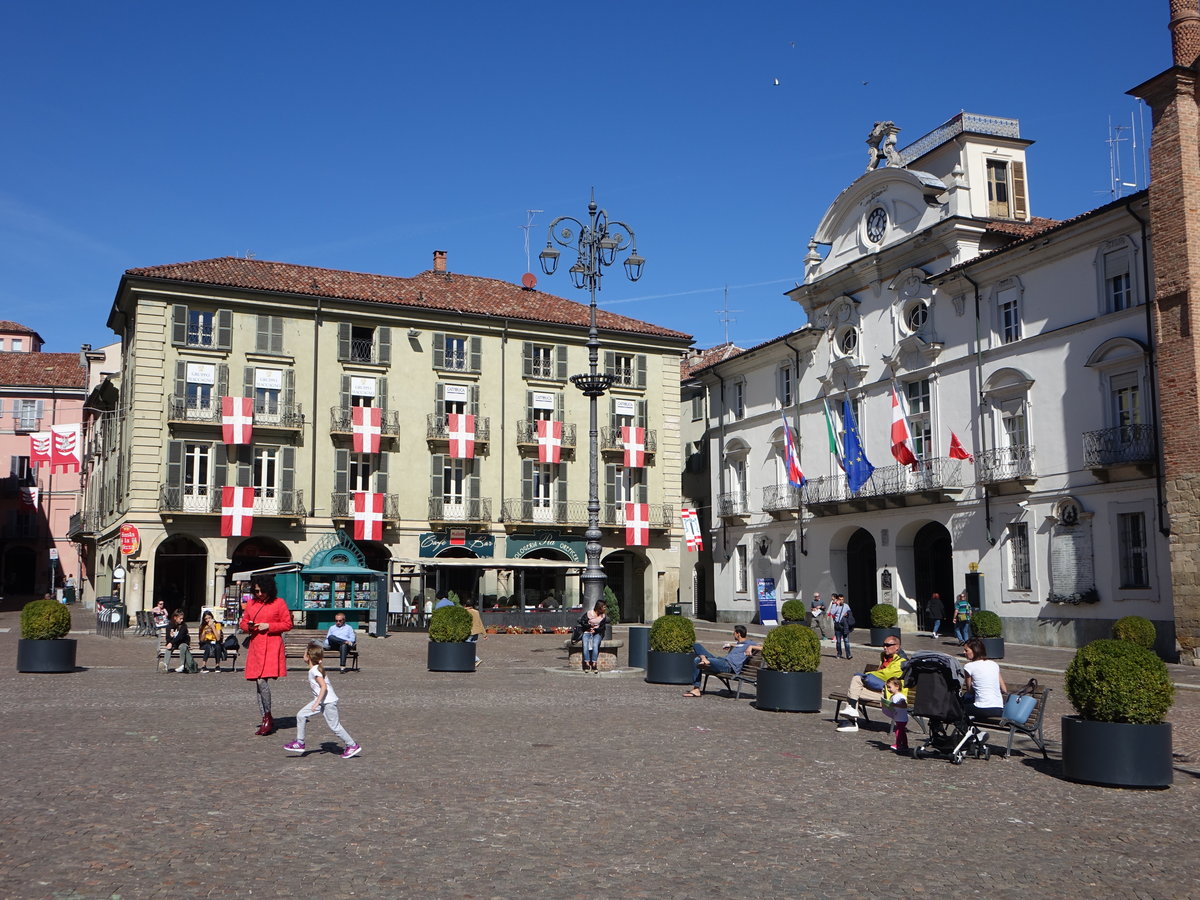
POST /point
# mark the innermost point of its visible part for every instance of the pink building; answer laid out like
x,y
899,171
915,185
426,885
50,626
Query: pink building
x,y
39,392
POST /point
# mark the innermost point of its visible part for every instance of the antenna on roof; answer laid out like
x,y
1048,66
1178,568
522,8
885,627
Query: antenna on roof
x,y
249,254
725,316
528,276
1118,186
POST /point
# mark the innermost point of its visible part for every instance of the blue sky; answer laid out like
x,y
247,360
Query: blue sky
x,y
366,135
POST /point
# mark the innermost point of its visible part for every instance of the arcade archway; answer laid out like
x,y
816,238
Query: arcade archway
x,y
180,569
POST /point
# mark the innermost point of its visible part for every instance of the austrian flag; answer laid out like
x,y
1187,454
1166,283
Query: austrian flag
x,y
237,419
634,439
549,435
368,516
367,424
637,524
237,511
461,428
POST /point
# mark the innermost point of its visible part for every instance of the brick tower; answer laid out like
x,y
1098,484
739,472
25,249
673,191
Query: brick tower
x,y
1175,228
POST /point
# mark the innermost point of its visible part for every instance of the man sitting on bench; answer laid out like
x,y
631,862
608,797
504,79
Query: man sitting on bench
x,y
731,662
870,685
340,637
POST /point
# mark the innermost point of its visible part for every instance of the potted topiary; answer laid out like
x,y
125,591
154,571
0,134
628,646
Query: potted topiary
x,y
883,623
449,651
987,626
788,679
672,650
44,645
1136,629
793,612
1122,693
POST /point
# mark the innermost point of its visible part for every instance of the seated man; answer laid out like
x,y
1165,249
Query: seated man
x,y
340,637
739,648
870,685
175,638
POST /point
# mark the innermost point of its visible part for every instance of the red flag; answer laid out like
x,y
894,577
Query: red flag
x,y
367,424
902,447
237,511
41,447
549,435
66,452
957,451
691,530
237,419
368,516
461,428
634,439
637,524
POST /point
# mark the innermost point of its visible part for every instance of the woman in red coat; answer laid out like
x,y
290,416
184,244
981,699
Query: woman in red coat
x,y
265,619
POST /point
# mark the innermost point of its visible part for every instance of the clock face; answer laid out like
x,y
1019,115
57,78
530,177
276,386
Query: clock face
x,y
876,224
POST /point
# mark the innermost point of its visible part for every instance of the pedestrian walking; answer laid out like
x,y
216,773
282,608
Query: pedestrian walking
x,y
935,611
962,618
265,619
816,615
843,622
325,703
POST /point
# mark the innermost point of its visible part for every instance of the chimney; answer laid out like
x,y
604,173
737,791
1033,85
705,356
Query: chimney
x,y
1185,32
439,260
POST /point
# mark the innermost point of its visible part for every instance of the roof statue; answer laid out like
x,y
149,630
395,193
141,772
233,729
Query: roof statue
x,y
882,144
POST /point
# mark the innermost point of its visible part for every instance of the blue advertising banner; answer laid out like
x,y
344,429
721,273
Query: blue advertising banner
x,y
768,613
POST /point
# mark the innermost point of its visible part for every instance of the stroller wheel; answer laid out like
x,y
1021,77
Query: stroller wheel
x,y
985,753
956,759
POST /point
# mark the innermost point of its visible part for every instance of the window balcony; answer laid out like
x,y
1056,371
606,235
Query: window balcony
x,y
82,525
437,431
341,506
733,505
612,515
545,513
341,421
782,501
362,350
527,439
270,417
206,501
1125,446
459,511
21,423
936,481
610,441
1012,466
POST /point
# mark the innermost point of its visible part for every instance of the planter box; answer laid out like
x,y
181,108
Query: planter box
x,y
878,635
1116,753
788,691
451,656
994,647
669,668
46,656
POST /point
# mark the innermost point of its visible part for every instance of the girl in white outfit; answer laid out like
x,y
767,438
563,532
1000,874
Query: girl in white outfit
x,y
325,701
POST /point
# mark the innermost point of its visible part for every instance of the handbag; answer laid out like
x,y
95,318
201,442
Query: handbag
x,y
230,642
246,640
1019,706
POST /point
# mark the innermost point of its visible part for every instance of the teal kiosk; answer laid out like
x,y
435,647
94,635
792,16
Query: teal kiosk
x,y
336,580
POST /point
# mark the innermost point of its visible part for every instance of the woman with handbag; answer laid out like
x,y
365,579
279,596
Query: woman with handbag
x,y
265,619
211,642
593,633
985,687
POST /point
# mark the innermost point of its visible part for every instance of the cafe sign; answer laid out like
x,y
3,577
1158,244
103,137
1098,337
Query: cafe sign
x,y
131,540
520,545
434,542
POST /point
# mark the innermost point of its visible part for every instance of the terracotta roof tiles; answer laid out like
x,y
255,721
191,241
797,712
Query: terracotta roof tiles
x,y
42,370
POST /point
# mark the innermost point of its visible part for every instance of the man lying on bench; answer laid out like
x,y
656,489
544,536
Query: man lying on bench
x,y
731,662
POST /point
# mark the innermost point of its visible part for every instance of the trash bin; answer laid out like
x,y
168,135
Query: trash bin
x,y
639,644
674,609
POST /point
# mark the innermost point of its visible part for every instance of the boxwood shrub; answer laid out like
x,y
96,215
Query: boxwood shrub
x,y
793,611
450,624
672,634
1119,681
883,615
45,620
791,648
1135,629
985,624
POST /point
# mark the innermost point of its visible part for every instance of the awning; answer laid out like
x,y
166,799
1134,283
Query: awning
x,y
467,562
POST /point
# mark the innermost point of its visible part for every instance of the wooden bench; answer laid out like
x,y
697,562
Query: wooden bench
x,y
295,643
230,656
865,703
748,675
1031,727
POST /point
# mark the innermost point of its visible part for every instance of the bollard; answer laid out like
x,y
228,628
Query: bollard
x,y
639,644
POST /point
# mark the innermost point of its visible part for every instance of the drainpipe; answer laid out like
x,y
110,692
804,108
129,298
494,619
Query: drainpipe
x,y
1164,527
721,468
987,497
316,364
795,421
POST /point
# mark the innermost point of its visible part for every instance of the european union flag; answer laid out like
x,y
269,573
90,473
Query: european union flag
x,y
858,469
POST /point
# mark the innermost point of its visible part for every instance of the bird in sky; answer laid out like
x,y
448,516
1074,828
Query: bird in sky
x,y
776,82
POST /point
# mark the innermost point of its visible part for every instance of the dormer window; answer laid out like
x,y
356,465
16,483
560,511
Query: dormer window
x,y
1006,189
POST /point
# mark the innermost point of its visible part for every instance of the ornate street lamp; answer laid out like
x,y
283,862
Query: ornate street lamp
x,y
597,242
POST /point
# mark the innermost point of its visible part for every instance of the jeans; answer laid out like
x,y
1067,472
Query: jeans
x,y
715,663
591,646
962,630
342,647
841,639
937,627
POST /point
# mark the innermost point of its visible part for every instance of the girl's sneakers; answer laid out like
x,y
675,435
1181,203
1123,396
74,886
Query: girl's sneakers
x,y
294,747
352,750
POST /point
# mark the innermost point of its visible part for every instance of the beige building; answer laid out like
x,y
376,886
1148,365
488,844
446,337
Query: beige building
x,y
307,346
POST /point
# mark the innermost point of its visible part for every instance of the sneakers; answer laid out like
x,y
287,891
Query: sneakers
x,y
294,747
352,750
849,726
852,711
162,666
180,669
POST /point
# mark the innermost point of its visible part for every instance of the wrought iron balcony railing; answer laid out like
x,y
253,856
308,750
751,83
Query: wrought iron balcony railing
x,y
781,497
466,509
266,415
1005,464
437,429
207,501
341,506
341,421
1119,446
610,440
934,475
734,504
527,434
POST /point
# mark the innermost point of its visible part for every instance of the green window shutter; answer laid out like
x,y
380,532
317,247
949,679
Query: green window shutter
x,y
527,480
381,473
474,404
341,471
180,381
1020,201
383,340
610,484
612,414
473,480
276,334
220,466
558,407
641,371
437,475
381,393
641,414
179,316
248,381
224,329
289,388
642,491
343,341
345,398
527,359
439,402
529,411
476,361
562,482
610,362
222,380
245,472
287,470
560,361
439,350
262,334
175,464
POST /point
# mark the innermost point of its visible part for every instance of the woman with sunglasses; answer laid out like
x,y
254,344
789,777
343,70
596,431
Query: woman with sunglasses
x,y
265,618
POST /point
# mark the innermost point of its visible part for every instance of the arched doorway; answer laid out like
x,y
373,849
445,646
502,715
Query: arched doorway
x,y
463,580
861,590
933,568
375,555
180,567
258,553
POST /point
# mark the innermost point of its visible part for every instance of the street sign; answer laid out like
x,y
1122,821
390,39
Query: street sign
x,y
54,553
119,574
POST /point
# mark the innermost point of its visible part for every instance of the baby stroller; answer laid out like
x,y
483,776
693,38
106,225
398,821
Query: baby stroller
x,y
937,680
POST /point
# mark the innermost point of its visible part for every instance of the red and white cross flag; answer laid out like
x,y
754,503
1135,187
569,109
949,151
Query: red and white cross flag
x,y
691,530
957,450
637,524
549,435
41,447
67,452
461,428
367,425
902,445
237,419
368,516
237,511
29,497
634,439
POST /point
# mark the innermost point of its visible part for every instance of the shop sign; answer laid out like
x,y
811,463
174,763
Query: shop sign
x,y
434,542
131,540
523,544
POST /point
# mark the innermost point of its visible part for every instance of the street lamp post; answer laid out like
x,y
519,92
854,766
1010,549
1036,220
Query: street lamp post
x,y
597,242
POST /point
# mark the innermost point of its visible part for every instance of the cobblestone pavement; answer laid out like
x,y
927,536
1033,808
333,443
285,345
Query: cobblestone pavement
x,y
509,783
